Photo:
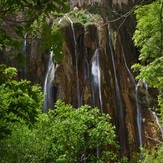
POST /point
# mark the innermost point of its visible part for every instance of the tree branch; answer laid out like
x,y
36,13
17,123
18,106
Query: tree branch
x,y
126,15
153,139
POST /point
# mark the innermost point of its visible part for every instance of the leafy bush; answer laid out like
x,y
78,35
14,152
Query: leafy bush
x,y
29,18
149,38
19,100
64,135
154,155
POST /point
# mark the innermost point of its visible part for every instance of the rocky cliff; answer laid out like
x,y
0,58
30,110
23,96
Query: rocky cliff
x,y
98,54
96,70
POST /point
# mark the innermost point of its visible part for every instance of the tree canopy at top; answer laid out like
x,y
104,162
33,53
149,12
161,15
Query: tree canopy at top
x,y
19,18
149,38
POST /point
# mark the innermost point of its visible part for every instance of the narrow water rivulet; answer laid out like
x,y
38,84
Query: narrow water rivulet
x,y
48,85
120,111
95,71
138,118
157,121
96,86
128,70
152,111
138,110
76,62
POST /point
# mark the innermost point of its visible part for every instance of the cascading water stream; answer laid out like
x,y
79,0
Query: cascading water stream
x,y
24,52
121,129
95,70
24,44
157,121
138,118
138,111
48,85
146,93
96,85
128,70
153,112
76,62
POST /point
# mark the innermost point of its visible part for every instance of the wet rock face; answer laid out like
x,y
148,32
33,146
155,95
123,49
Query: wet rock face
x,y
75,79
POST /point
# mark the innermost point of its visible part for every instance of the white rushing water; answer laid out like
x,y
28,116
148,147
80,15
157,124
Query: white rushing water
x,y
24,44
96,88
48,84
95,70
153,112
157,121
24,52
138,118
128,70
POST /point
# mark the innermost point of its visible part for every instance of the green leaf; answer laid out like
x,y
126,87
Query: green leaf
x,y
148,38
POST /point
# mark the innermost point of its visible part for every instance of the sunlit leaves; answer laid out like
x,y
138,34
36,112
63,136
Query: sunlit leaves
x,y
53,39
152,73
153,155
19,100
148,38
147,35
29,17
64,134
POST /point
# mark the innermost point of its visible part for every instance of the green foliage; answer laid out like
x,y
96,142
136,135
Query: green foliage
x,y
63,135
148,37
6,74
32,8
51,36
57,43
29,17
18,100
160,104
54,41
154,155
83,17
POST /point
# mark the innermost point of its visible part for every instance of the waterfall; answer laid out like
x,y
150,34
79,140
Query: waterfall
x,y
138,118
23,68
157,121
128,70
48,85
146,92
121,125
153,112
24,44
76,62
138,111
96,86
